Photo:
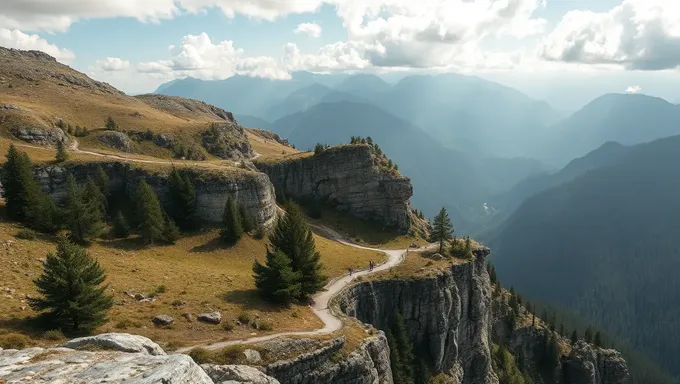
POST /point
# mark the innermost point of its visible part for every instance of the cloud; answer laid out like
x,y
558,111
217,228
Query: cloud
x,y
311,29
14,38
112,64
50,15
338,56
633,89
638,34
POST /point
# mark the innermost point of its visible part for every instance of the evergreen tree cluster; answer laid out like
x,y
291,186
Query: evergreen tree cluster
x,y
292,270
406,367
507,368
320,148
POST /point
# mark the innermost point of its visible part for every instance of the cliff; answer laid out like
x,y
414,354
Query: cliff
x,y
349,178
452,319
251,190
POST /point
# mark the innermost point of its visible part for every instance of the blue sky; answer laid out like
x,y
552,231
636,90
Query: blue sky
x,y
588,46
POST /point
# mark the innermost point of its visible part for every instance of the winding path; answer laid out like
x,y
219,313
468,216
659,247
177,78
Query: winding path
x,y
322,299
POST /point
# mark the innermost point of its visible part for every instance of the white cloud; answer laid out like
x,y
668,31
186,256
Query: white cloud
x,y
638,34
112,64
268,10
633,89
311,29
332,57
16,39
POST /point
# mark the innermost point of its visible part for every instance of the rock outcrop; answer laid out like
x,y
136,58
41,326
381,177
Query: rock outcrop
x,y
589,365
349,179
237,374
251,190
121,342
368,364
447,316
117,140
38,135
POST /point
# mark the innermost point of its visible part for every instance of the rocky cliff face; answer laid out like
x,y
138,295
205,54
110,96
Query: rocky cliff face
x,y
251,190
447,316
451,318
348,178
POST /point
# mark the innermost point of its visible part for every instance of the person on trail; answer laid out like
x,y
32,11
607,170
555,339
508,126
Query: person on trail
x,y
350,271
370,266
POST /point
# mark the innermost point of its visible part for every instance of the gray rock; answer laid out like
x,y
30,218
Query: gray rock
x,y
163,320
347,178
591,365
251,190
252,356
122,342
9,107
223,374
437,256
117,140
226,140
139,296
40,136
212,317
60,365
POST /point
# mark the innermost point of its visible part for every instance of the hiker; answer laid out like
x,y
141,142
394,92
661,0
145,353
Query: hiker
x,y
350,271
370,265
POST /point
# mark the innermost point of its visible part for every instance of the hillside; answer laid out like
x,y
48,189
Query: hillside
x,y
42,98
626,119
605,245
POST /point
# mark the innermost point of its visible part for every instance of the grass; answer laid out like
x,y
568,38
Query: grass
x,y
204,278
267,147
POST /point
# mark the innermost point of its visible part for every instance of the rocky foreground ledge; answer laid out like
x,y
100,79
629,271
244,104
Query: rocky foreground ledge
x,y
116,358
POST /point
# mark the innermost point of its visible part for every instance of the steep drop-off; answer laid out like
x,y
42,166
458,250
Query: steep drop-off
x,y
348,178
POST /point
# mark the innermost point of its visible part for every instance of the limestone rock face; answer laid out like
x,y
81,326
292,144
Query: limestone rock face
x,y
347,178
117,140
251,190
368,364
591,365
39,136
224,374
121,342
62,365
447,314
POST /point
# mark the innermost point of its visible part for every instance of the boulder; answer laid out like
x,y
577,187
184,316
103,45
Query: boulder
x,y
40,136
117,140
252,356
61,365
122,342
163,320
212,318
221,374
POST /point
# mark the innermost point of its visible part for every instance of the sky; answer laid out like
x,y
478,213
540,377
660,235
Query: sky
x,y
566,52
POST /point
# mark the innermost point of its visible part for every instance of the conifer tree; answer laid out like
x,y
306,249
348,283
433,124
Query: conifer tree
x,y
170,229
598,339
293,237
233,226
395,360
111,124
182,201
61,152
247,220
150,214
71,289
406,353
120,226
442,229
18,183
589,335
94,195
84,213
104,184
574,337
276,281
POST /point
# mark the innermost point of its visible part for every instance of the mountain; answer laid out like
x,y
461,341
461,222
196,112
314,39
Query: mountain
x,y
605,245
304,98
505,203
253,122
624,118
364,85
440,175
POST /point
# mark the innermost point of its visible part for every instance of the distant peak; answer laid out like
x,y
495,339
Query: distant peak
x,y
34,55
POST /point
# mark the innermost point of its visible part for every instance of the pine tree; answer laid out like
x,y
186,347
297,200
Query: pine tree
x,y
598,339
111,125
442,229
94,195
405,347
247,220
61,152
150,214
233,226
589,335
120,226
170,229
84,213
18,183
101,179
574,337
182,201
293,237
71,289
395,360
42,213
276,280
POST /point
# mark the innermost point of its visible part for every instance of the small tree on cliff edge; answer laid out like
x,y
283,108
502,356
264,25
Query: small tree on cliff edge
x,y
442,229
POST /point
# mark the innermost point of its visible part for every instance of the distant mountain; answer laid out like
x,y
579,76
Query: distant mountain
x,y
364,85
440,175
606,245
304,98
253,122
507,201
626,119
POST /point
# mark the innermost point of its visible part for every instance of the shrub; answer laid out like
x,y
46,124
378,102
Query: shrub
x,y
230,355
26,234
53,335
200,355
244,318
265,326
14,341
228,327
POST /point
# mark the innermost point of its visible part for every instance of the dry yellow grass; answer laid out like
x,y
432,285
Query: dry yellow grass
x,y
416,264
197,275
267,147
